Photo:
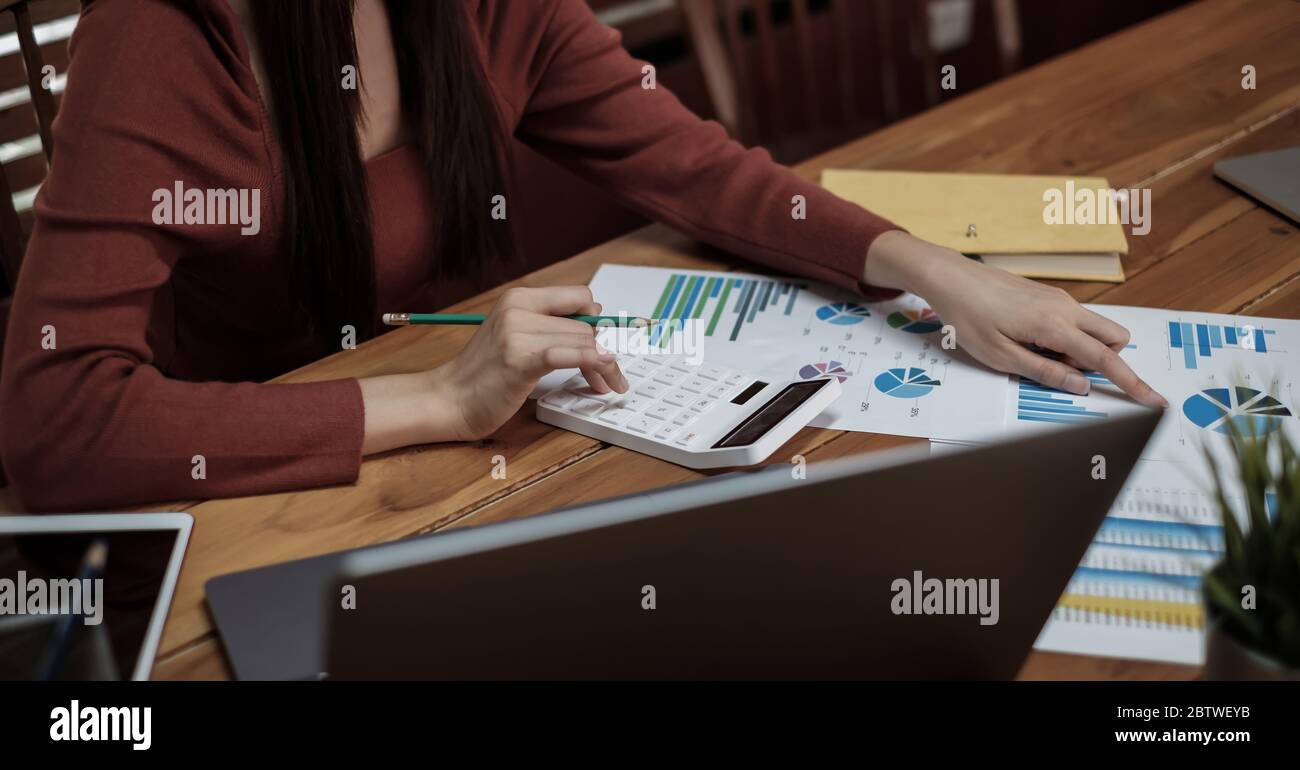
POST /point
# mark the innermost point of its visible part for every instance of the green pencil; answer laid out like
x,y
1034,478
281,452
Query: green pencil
x,y
474,319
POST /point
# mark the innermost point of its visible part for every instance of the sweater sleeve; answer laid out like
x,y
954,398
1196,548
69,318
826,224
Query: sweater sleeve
x,y
590,109
89,421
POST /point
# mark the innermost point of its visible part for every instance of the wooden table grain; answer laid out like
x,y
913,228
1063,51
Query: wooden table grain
x,y
1154,106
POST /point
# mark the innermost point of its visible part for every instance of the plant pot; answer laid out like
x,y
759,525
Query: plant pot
x,y
1228,659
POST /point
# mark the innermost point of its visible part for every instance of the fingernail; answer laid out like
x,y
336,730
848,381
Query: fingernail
x,y
1159,400
606,358
1077,383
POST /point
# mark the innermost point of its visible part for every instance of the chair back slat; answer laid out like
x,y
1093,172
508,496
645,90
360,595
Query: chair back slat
x,y
42,99
769,59
12,241
813,115
716,65
846,79
26,169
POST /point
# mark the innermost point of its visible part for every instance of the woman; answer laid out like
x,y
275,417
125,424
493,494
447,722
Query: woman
x,y
379,197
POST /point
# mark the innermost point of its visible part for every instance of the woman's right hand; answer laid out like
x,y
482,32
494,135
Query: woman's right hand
x,y
524,337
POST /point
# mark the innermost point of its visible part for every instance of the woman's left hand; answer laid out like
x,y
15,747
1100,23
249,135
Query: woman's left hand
x,y
997,315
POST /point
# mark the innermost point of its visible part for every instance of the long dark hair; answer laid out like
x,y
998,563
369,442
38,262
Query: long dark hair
x,y
446,103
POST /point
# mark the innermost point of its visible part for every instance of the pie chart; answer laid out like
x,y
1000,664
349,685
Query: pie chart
x,y
905,383
1248,410
843,313
915,321
825,369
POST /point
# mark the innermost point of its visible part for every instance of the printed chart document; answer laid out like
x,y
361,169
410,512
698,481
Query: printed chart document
x,y
889,356
1137,593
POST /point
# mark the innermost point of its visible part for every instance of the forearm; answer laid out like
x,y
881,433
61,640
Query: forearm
x,y
408,410
898,260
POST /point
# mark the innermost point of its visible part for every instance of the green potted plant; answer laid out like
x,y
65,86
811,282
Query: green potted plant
x,y
1252,596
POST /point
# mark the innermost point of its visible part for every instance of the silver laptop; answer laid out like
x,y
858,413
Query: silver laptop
x,y
1272,178
891,565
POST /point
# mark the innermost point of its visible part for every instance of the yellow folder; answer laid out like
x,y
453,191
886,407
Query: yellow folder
x,y
1012,214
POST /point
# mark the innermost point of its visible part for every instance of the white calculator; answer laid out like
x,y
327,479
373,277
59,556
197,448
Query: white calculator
x,y
696,415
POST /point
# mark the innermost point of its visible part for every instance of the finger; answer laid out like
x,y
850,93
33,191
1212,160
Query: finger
x,y
1045,371
604,375
596,380
552,300
526,355
553,358
612,375
1111,334
1097,357
550,324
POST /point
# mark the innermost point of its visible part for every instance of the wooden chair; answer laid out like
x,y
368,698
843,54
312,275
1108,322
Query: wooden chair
x,y
1007,40
717,32
13,240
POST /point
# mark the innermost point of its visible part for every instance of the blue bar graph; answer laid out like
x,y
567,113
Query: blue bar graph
x,y
1197,341
1176,536
1039,403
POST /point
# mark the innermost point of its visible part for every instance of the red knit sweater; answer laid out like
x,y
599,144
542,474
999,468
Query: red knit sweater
x,y
163,332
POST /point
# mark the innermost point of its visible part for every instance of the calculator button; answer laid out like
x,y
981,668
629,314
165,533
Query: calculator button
x,y
719,391
587,407
661,411
641,425
589,392
640,369
702,405
669,377
695,385
616,415
666,431
681,366
635,403
574,382
651,389
734,379
677,398
686,438
559,399
685,418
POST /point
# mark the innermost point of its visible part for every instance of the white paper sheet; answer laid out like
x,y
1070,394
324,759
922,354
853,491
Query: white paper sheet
x,y
897,376
1137,593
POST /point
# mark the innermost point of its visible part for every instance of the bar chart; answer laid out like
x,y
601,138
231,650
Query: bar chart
x,y
1201,340
720,302
1038,403
1137,591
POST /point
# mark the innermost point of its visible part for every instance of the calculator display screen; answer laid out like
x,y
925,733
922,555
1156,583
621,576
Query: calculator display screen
x,y
759,423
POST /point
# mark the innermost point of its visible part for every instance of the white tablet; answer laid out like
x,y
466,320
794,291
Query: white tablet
x,y
63,617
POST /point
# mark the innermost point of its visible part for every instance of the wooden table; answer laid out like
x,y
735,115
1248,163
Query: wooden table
x,y
1153,106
